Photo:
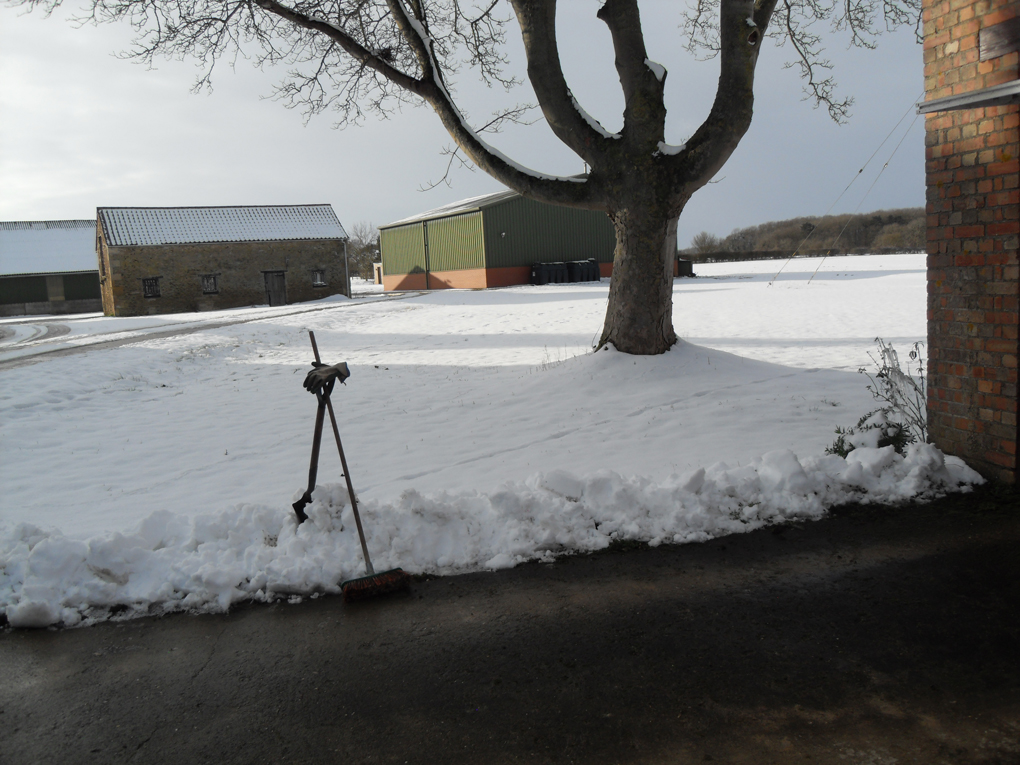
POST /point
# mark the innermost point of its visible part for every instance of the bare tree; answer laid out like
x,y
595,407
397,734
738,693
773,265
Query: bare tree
x,y
705,242
363,248
358,56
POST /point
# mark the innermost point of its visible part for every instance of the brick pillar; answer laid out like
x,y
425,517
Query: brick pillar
x,y
973,211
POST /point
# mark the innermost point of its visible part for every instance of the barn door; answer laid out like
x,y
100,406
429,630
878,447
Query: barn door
x,y
276,288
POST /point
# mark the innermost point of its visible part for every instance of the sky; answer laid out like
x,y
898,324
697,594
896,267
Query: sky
x,y
82,129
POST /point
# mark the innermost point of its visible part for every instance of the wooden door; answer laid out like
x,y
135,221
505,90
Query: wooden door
x,y
276,288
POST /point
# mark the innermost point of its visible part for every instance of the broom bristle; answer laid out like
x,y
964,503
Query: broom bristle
x,y
299,507
376,584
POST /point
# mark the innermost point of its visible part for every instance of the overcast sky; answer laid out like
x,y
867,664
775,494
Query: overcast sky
x,y
83,129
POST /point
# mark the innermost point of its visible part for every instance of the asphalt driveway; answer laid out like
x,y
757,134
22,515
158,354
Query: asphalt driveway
x,y
873,637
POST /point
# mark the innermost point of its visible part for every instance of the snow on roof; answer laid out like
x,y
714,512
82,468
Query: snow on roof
x,y
47,247
127,226
456,208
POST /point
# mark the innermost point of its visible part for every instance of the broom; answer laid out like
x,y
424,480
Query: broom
x,y
372,584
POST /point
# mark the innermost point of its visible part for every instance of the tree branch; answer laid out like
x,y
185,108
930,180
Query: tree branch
x,y
741,27
644,115
807,46
351,46
538,185
568,121
413,26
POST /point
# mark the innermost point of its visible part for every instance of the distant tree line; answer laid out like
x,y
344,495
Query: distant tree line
x,y
883,229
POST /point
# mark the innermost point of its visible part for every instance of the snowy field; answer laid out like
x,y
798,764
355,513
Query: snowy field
x,y
148,464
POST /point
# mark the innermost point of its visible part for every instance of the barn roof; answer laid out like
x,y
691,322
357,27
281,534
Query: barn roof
x,y
457,208
134,226
47,247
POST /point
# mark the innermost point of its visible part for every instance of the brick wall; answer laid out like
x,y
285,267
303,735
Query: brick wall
x,y
239,269
973,212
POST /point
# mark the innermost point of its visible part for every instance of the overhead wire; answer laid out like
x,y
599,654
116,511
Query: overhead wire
x,y
852,182
864,197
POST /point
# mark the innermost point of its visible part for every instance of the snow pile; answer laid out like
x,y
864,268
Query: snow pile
x,y
171,562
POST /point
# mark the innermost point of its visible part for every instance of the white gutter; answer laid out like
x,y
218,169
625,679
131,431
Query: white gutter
x,y
998,95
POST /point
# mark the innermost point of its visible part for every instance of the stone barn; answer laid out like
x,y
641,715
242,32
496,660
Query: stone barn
x,y
971,101
177,259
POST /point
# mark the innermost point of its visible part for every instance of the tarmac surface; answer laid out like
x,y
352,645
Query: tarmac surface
x,y
876,636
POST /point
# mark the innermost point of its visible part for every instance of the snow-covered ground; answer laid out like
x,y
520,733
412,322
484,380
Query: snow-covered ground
x,y
148,464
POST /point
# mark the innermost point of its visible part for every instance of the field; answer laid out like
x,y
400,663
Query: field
x,y
150,463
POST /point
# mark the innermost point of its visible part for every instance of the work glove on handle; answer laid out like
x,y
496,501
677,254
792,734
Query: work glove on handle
x,y
321,378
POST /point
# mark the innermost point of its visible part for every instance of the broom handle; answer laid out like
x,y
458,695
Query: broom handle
x,y
347,473
316,440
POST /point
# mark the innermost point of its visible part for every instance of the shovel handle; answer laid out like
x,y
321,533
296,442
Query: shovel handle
x,y
315,348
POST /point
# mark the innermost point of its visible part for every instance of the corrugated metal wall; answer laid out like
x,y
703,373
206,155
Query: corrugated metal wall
x,y
402,249
511,233
519,232
455,243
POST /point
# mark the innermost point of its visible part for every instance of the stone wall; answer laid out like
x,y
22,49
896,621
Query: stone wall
x,y
238,269
973,225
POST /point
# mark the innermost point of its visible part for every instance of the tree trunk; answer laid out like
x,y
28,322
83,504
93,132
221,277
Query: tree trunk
x,y
639,317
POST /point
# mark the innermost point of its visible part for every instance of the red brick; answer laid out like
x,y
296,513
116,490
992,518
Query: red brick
x,y
967,232
1002,168
1002,229
1005,13
999,77
972,205
963,423
999,459
968,27
1005,404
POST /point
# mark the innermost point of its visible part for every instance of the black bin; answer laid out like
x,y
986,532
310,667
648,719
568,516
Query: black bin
x,y
583,270
558,273
539,273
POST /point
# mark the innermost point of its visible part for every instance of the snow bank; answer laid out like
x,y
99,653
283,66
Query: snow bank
x,y
171,562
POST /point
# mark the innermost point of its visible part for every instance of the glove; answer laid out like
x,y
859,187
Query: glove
x,y
321,378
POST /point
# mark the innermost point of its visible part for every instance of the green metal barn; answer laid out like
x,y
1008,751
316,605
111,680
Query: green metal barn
x,y
490,241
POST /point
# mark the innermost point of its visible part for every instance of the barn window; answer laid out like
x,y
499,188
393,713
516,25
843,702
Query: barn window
x,y
150,287
210,284
318,278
